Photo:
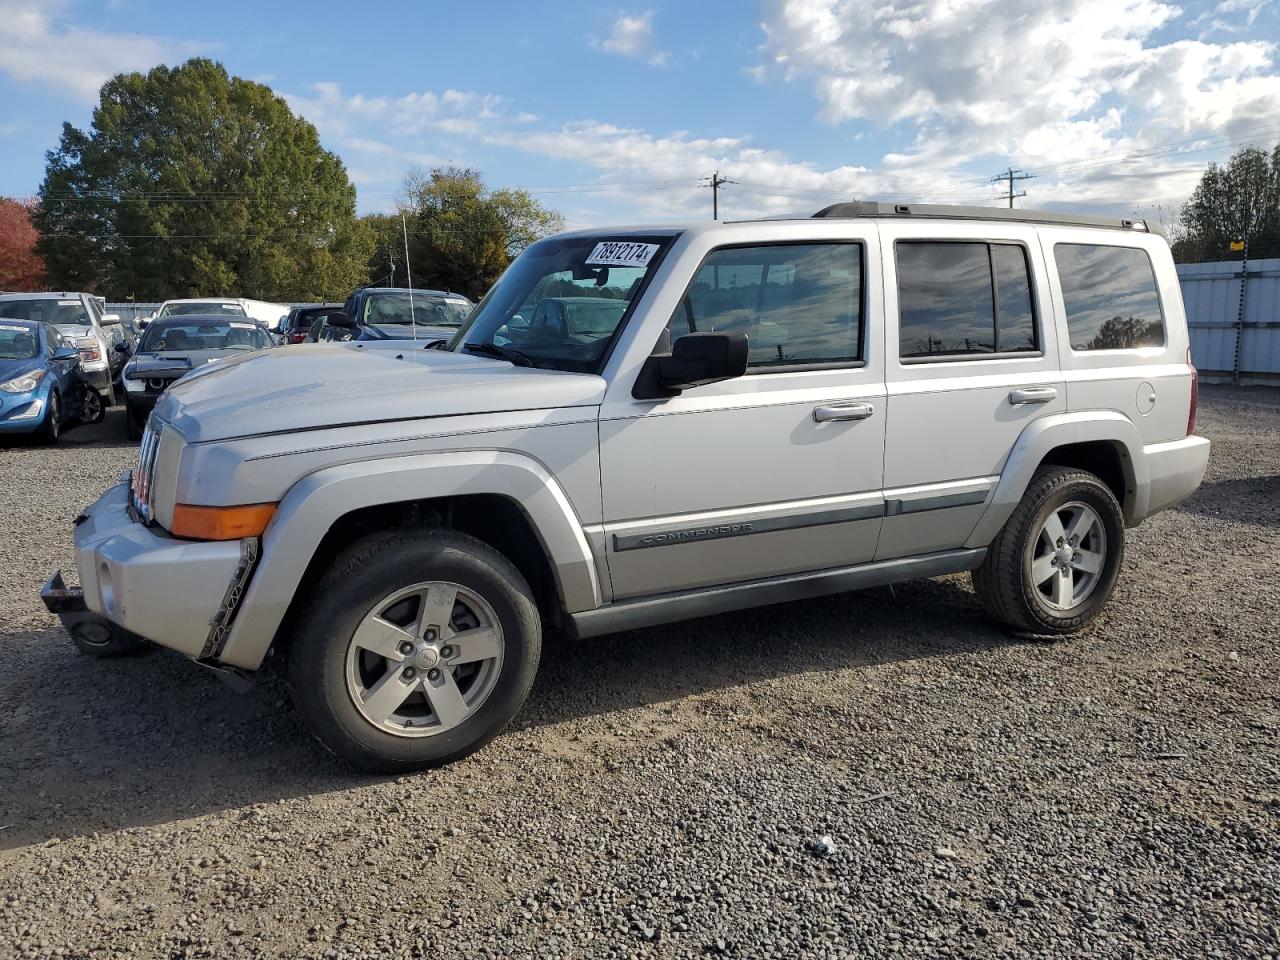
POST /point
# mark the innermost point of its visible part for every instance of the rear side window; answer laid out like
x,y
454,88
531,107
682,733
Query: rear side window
x,y
1111,297
963,299
798,303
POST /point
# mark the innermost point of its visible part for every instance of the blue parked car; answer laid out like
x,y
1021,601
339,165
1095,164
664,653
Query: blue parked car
x,y
42,386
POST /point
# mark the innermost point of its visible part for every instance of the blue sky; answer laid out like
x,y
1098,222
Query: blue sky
x,y
613,112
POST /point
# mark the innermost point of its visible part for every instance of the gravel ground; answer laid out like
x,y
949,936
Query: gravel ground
x,y
1113,795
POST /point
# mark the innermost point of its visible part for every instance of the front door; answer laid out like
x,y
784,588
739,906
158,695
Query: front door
x,y
775,472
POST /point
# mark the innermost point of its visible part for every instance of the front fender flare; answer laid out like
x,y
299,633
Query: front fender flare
x,y
1048,433
319,499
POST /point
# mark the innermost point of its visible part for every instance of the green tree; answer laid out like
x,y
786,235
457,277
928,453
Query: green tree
x,y
461,234
1236,201
192,182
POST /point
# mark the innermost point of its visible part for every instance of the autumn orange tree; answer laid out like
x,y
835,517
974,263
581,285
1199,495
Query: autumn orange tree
x,y
21,268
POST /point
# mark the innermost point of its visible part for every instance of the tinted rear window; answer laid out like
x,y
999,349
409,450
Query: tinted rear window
x,y
1110,296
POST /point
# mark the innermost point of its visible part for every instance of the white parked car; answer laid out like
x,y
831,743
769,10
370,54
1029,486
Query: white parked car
x,y
269,314
758,412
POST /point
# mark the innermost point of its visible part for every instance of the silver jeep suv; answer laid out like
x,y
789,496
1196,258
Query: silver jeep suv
x,y
646,424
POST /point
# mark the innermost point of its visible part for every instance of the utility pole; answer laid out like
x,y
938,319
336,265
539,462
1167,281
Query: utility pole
x,y
1011,175
715,182
391,263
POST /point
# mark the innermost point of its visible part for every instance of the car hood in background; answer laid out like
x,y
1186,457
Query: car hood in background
x,y
169,362
12,369
74,330
317,385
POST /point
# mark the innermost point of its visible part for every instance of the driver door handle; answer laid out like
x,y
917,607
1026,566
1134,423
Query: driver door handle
x,y
842,411
1032,395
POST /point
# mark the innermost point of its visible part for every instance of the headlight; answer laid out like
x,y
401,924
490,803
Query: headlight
x,y
23,384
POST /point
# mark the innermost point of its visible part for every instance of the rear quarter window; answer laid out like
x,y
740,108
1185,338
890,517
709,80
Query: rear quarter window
x,y
1111,297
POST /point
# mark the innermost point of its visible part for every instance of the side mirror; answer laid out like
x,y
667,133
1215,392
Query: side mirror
x,y
122,347
695,360
143,321
111,319
66,353
340,320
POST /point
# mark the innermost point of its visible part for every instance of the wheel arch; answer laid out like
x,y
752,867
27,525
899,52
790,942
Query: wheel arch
x,y
512,503
1103,442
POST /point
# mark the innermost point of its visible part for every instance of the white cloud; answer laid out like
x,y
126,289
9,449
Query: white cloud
x,y
39,47
632,36
1050,85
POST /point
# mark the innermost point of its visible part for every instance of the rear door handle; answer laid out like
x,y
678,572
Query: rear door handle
x,y
842,411
1033,395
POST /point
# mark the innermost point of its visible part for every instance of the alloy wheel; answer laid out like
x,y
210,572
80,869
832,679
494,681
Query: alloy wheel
x,y
1068,556
424,659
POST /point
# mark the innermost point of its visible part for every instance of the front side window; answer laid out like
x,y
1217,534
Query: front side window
x,y
798,303
62,313
560,303
962,299
1111,297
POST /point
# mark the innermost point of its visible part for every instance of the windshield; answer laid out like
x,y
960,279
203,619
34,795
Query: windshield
x,y
562,300
196,308
69,312
16,343
210,335
429,310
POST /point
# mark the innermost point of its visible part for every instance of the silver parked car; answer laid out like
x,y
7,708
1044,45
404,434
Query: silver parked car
x,y
79,318
755,412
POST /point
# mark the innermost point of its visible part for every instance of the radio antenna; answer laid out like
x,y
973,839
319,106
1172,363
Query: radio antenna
x,y
408,272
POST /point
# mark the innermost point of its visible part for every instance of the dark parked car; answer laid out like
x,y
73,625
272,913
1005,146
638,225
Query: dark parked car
x,y
172,347
390,313
298,323
322,331
42,385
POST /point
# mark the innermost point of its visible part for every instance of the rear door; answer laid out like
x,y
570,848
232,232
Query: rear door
x,y
971,360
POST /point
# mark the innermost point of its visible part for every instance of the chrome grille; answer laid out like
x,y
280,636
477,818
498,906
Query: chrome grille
x,y
142,475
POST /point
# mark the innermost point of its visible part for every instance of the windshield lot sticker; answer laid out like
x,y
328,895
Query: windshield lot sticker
x,y
242,326
68,303
14,327
621,253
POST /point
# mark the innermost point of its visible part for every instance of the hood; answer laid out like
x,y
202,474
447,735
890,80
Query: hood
x,y
12,369
74,330
167,362
317,385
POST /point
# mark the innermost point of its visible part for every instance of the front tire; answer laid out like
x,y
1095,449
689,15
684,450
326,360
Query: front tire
x,y
1054,565
94,407
419,648
52,424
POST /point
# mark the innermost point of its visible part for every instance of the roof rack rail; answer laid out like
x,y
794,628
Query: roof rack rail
x,y
875,208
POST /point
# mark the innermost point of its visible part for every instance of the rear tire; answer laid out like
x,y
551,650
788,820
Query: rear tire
x,y
1068,520
419,648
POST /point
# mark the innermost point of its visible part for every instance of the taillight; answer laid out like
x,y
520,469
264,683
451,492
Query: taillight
x,y
297,336
1195,395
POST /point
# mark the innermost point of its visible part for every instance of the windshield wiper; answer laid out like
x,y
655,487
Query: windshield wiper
x,y
437,345
497,350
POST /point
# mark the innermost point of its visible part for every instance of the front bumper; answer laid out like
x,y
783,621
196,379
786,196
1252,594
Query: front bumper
x,y
23,412
172,592
140,404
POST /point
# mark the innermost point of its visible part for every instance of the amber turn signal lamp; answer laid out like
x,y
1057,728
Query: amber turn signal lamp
x,y
221,523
